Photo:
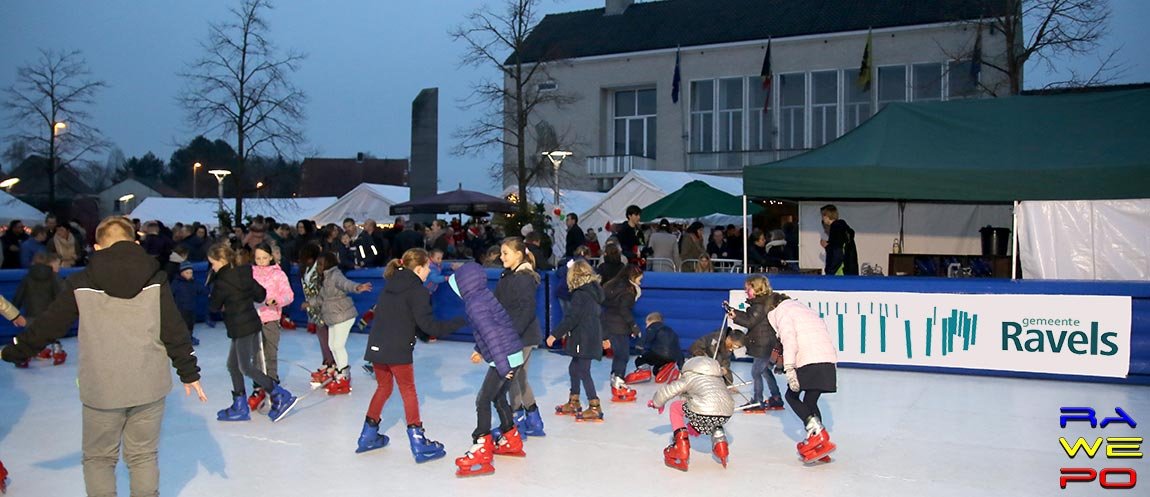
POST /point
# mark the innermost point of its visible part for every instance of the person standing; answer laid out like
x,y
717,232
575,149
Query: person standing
x,y
10,242
516,291
619,326
575,236
665,246
122,406
631,238
842,255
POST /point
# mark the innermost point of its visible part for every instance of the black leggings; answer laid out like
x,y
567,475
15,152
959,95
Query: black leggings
x,y
621,348
807,407
493,392
580,371
243,361
656,361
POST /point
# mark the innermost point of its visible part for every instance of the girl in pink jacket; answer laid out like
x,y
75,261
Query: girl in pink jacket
x,y
268,274
809,362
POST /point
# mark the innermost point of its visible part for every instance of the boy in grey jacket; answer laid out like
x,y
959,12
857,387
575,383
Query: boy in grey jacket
x,y
123,371
706,407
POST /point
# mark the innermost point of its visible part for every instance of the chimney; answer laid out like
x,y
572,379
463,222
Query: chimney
x,y
359,157
616,7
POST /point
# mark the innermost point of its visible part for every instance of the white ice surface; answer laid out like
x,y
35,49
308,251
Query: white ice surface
x,y
898,433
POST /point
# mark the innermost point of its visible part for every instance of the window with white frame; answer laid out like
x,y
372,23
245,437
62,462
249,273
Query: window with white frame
x,y
760,125
730,114
961,81
792,107
858,102
824,107
634,122
927,82
891,85
703,116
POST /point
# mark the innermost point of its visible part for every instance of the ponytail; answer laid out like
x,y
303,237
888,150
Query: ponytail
x,y
410,260
516,244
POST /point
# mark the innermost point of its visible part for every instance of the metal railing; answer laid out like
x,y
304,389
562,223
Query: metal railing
x,y
733,161
617,165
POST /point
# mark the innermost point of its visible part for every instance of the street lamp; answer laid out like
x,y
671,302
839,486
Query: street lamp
x,y
195,167
123,201
220,174
9,183
556,158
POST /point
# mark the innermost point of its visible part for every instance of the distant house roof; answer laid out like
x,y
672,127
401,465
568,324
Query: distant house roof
x,y
160,188
686,23
33,176
320,177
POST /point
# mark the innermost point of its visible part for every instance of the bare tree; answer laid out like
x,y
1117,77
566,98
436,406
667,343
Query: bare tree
x,y
496,38
241,88
48,106
1047,30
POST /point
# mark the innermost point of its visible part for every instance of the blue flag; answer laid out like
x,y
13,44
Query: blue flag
x,y
675,81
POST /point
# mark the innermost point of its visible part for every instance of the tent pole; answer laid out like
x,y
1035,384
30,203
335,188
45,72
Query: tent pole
x,y
745,234
1014,244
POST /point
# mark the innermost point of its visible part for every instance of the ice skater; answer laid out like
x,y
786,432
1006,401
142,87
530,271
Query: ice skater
x,y
389,348
659,350
36,291
131,336
584,342
516,291
620,295
498,345
268,273
760,342
706,408
809,362
309,280
338,311
234,292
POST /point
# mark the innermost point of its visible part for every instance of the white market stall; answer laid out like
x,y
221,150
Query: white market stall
x,y
366,201
12,208
203,210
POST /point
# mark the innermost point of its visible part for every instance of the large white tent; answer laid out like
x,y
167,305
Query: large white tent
x,y
203,210
12,208
366,201
644,187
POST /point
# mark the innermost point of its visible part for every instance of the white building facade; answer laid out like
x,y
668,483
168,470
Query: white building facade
x,y
623,116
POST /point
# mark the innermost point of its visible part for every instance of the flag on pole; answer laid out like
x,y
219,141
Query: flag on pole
x,y
864,79
976,55
766,76
676,80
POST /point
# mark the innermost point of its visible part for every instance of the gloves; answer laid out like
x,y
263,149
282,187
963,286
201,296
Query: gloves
x,y
792,377
651,404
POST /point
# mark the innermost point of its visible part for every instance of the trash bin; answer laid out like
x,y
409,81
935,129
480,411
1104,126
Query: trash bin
x,y
995,241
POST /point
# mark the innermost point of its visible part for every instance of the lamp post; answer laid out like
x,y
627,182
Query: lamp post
x,y
556,158
9,183
53,162
123,201
220,174
195,167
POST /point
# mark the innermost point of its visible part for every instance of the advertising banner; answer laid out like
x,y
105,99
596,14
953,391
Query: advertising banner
x,y
1058,334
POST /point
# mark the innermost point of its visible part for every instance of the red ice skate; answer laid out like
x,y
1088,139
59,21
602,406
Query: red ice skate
x,y
641,375
477,461
340,386
668,373
45,354
510,444
620,392
321,376
3,479
311,328
286,323
58,355
257,399
678,454
817,446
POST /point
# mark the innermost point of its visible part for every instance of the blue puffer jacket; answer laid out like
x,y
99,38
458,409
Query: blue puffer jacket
x,y
185,293
495,336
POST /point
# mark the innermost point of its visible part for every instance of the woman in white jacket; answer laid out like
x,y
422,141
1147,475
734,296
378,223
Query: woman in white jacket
x,y
809,362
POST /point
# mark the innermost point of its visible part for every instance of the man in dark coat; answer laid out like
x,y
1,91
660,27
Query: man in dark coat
x,y
575,235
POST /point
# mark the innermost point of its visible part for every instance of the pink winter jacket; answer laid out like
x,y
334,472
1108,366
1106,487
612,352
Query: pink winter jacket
x,y
803,334
273,279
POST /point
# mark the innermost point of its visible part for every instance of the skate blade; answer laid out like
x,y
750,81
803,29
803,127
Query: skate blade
x,y
581,420
512,454
286,410
773,408
622,400
817,453
676,465
422,458
485,469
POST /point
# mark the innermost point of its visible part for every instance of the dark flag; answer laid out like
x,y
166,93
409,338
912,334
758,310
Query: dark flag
x,y
766,76
864,79
976,56
675,81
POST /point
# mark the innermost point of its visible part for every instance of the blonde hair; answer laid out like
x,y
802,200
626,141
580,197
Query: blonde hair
x,y
114,229
759,284
581,273
222,252
654,317
410,260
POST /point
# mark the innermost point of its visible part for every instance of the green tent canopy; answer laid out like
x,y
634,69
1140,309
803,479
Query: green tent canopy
x,y
1071,146
694,200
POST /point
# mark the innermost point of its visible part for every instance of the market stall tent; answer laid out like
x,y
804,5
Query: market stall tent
x,y
12,208
366,201
203,210
1071,146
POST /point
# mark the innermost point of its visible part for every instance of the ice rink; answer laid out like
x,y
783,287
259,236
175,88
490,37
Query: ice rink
x,y
898,433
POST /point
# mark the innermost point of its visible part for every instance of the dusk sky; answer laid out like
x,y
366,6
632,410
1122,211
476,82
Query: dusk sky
x,y
367,60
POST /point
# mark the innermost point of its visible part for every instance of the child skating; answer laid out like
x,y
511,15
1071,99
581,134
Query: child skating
x,y
234,292
498,345
36,291
706,407
659,350
268,273
809,362
516,291
339,313
619,297
760,342
584,340
389,348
